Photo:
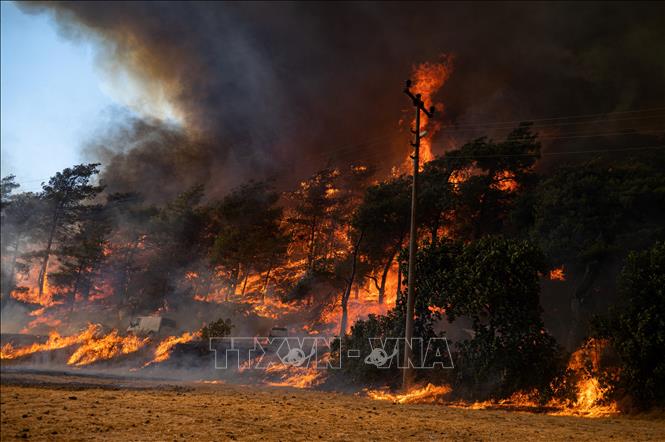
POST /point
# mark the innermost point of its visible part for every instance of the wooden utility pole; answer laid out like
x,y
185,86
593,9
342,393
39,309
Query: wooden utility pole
x,y
413,236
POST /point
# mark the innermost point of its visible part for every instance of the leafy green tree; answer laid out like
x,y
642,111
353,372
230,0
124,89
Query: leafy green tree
x,y
496,174
495,283
636,327
437,198
589,216
217,329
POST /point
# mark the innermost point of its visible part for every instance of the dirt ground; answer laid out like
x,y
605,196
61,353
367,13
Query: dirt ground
x,y
65,407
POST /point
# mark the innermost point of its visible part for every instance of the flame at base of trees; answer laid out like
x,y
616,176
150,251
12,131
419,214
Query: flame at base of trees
x,y
590,398
55,342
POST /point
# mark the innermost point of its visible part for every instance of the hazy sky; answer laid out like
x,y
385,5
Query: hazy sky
x,y
52,97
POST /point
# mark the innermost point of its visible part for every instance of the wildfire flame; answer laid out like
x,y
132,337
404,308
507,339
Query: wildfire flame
x,y
505,181
298,377
54,342
422,395
164,348
32,296
427,79
557,274
104,348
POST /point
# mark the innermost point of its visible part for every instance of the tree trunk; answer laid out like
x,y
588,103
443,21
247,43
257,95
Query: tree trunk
x,y
384,277
7,290
399,281
76,287
434,231
347,292
47,253
244,284
579,305
234,282
310,253
265,284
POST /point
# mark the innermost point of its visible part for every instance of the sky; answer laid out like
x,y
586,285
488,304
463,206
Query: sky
x,y
54,96
51,98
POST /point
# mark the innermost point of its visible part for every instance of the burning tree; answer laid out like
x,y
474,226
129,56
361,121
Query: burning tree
x,y
383,217
65,196
249,236
80,260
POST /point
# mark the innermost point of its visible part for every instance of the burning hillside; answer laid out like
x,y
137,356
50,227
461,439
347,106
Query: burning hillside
x,y
263,215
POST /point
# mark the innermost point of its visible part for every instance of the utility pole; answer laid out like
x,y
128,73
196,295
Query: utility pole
x,y
411,299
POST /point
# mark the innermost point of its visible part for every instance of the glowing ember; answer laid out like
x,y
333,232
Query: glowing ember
x,y
557,274
458,177
106,347
54,342
427,394
505,181
436,309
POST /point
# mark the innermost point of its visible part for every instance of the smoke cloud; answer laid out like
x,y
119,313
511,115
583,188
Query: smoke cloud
x,y
268,89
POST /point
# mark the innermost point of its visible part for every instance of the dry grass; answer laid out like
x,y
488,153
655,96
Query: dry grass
x,y
70,408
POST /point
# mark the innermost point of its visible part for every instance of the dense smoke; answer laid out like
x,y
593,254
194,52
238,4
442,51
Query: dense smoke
x,y
281,89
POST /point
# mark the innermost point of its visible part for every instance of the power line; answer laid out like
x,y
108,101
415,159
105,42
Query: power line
x,y
566,117
354,147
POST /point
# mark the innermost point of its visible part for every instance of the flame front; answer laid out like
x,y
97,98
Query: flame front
x,y
104,348
423,395
297,377
164,348
54,342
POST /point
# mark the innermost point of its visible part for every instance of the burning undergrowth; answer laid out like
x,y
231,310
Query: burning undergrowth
x,y
323,258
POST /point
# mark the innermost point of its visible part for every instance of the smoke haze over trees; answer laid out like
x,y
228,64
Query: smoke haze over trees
x,y
263,89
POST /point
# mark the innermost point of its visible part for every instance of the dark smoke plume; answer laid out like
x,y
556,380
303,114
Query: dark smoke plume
x,y
281,88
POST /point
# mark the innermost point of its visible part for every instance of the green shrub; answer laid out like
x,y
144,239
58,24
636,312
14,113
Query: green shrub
x,y
636,327
216,329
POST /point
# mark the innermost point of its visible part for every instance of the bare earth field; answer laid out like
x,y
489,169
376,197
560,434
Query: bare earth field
x,y
43,406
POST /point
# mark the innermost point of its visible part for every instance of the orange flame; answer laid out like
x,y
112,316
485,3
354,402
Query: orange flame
x,y
164,348
54,342
505,181
557,274
32,296
427,79
104,348
297,377
427,395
